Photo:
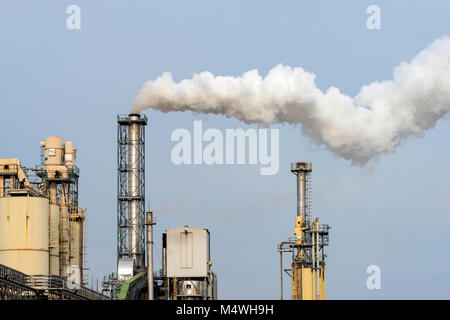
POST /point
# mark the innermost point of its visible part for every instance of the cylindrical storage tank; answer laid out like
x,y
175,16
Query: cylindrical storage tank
x,y
53,151
24,234
54,239
69,154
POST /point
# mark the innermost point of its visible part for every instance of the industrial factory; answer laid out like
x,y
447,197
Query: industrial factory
x,y
42,227
43,233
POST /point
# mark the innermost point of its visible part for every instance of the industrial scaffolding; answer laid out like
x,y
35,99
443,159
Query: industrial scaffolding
x,y
131,189
307,270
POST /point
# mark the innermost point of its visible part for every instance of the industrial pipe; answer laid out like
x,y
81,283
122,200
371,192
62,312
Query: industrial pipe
x,y
281,273
150,254
134,189
301,194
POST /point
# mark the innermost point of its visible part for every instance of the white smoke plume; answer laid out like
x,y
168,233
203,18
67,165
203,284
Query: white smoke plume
x,y
375,121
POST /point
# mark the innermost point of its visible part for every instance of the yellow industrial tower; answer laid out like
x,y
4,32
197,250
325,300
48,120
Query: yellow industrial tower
x,y
308,257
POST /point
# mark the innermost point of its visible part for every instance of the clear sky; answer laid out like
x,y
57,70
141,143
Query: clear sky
x,y
73,83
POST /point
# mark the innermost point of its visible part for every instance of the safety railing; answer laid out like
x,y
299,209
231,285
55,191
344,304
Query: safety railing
x,y
50,284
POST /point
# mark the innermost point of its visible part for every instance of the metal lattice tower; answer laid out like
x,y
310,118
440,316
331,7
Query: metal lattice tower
x,y
131,188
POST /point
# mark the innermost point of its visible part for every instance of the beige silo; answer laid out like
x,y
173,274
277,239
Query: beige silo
x,y
53,151
69,154
24,234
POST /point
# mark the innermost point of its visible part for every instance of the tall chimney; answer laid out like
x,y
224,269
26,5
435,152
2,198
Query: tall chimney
x,y
131,188
134,188
302,171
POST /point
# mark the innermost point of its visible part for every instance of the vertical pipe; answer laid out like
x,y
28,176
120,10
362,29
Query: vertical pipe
x,y
64,233
54,220
164,264
301,194
164,254
175,289
54,225
317,259
313,256
316,270
134,190
281,273
313,267
82,248
76,247
150,254
215,286
52,195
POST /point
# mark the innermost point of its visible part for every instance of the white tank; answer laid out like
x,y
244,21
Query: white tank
x,y
24,234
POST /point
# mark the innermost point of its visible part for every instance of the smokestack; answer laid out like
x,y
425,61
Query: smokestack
x,y
150,224
134,187
378,119
131,188
302,170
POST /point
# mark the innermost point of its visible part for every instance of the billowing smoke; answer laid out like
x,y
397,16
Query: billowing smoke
x,y
376,121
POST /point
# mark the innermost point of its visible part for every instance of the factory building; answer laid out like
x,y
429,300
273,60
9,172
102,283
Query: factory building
x,y
42,228
42,233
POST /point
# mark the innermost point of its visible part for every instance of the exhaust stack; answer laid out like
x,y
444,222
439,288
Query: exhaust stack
x,y
131,188
302,170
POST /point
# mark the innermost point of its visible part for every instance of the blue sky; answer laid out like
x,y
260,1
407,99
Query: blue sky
x,y
73,83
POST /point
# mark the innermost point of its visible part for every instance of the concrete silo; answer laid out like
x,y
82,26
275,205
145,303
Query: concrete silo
x,y
24,233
